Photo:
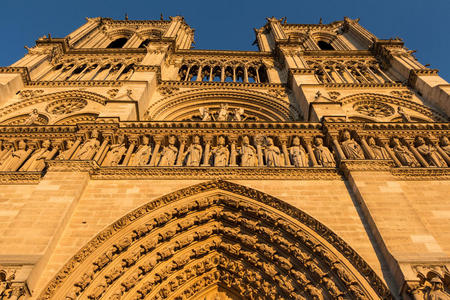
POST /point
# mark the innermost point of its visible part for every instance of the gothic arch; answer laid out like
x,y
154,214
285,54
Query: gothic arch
x,y
183,105
418,111
211,238
55,106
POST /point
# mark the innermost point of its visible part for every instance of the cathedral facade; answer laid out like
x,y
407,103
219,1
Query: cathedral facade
x,y
133,166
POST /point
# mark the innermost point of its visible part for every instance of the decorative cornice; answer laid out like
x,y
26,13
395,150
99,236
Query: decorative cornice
x,y
414,74
71,165
89,83
285,173
20,177
23,71
421,173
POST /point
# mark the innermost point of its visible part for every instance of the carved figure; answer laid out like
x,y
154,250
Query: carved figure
x,y
223,113
378,151
221,153
142,155
402,153
32,117
89,147
204,113
272,153
445,145
36,161
14,160
405,117
323,154
169,153
429,153
116,152
351,148
437,290
237,114
297,154
248,153
194,153
64,154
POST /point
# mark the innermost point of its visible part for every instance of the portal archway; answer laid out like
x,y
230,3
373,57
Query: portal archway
x,y
216,240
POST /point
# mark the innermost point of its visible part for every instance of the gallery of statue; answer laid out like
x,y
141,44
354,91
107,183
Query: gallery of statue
x,y
133,166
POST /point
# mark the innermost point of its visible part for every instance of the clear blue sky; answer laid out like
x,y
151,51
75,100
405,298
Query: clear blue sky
x,y
424,25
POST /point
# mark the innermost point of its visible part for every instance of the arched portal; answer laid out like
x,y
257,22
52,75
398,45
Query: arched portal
x,y
216,240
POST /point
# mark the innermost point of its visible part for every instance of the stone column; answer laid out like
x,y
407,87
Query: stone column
x,y
416,154
222,74
199,74
336,144
311,155
384,143
207,140
158,139
126,160
233,152
259,152
180,157
98,156
287,161
366,148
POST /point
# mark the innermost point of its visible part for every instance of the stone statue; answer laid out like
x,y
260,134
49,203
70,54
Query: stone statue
x,y
351,148
89,147
272,154
405,117
13,161
204,113
378,151
169,153
323,154
116,152
32,117
64,154
402,153
223,113
437,290
297,154
36,161
429,153
445,145
221,153
248,154
194,153
5,151
237,114
142,155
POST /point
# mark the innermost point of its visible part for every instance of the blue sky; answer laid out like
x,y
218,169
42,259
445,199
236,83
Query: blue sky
x,y
424,25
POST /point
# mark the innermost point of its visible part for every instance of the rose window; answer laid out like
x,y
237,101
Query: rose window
x,y
63,107
374,109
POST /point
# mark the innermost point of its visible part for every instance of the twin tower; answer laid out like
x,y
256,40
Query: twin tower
x,y
135,167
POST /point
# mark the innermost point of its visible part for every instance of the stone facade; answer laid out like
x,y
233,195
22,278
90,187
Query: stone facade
x,y
132,166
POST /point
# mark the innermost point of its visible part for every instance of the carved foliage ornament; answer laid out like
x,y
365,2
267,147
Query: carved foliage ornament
x,y
373,109
238,236
66,106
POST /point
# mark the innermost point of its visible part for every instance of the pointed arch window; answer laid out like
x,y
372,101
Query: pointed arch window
x,y
324,45
144,44
118,43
